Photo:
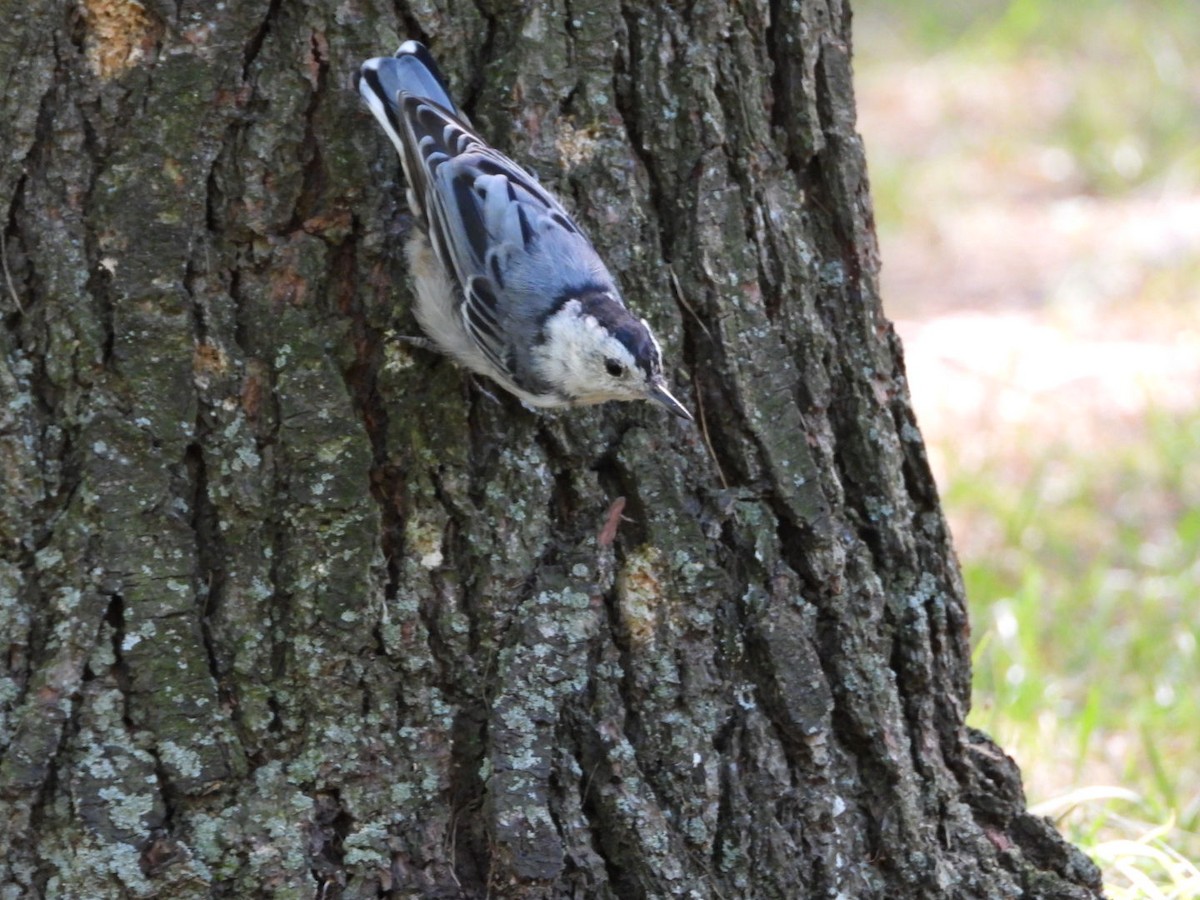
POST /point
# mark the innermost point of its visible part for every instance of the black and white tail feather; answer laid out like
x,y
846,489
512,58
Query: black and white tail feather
x,y
506,282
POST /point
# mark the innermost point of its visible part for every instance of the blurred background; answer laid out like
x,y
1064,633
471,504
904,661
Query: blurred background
x,y
1035,169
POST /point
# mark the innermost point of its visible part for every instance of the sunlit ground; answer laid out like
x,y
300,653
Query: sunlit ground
x,y
1036,175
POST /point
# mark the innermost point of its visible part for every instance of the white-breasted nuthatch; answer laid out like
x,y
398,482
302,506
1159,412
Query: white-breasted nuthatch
x,y
506,282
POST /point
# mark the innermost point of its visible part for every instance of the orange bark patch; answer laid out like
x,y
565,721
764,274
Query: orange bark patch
x,y
210,360
640,594
119,34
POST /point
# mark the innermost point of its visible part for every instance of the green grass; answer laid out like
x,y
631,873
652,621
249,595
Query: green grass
x,y
1084,596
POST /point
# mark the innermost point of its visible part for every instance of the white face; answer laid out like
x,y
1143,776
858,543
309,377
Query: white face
x,y
584,361
619,376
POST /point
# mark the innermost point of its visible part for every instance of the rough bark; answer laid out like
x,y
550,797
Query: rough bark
x,y
292,610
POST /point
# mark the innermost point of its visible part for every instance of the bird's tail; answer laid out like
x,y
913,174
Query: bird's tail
x,y
384,81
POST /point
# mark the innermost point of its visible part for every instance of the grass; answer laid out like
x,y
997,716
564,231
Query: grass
x,y
1076,512
1084,583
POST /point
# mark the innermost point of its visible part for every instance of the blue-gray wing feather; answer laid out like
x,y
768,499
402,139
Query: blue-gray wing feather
x,y
512,249
511,246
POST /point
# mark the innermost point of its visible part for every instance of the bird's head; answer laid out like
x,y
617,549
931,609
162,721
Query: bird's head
x,y
593,349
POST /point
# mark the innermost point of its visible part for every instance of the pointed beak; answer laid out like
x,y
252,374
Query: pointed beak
x,y
658,392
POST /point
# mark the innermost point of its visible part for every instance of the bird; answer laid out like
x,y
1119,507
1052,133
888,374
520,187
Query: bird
x,y
506,282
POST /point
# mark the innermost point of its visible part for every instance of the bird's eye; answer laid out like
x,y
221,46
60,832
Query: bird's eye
x,y
614,368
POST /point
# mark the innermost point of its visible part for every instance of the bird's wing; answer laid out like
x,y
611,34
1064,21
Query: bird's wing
x,y
485,217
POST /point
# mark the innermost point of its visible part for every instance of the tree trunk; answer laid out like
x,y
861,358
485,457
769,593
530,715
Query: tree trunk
x,y
294,610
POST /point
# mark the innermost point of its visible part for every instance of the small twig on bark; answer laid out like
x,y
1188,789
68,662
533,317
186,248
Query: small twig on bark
x,y
682,301
707,442
612,522
8,275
